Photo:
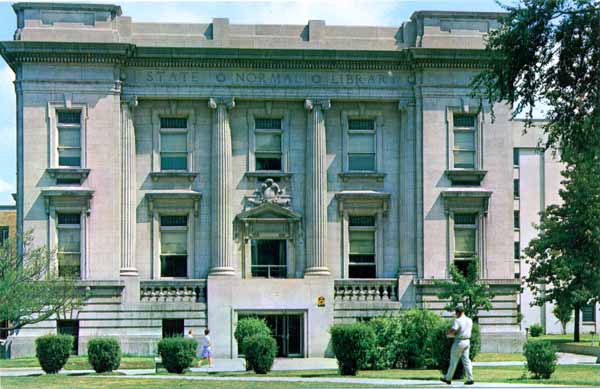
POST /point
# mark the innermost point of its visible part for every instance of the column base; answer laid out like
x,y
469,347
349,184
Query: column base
x,y
222,272
129,272
317,271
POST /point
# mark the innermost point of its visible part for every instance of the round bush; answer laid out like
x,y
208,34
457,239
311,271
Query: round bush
x,y
177,353
439,345
104,354
541,358
260,353
536,330
249,326
416,324
352,346
52,352
388,337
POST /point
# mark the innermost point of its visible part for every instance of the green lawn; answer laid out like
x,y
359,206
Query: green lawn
x,y
81,363
499,357
585,339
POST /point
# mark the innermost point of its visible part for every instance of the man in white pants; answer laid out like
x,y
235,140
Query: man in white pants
x,y
461,332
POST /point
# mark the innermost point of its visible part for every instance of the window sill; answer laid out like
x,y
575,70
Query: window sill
x,y
68,173
466,176
156,176
347,176
253,176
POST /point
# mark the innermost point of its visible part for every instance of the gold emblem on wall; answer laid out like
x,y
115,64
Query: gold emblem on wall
x,y
320,301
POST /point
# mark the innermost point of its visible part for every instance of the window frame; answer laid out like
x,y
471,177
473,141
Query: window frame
x,y
54,227
372,229
53,131
378,229
173,111
172,211
268,112
67,227
185,228
378,129
4,234
477,134
479,237
287,259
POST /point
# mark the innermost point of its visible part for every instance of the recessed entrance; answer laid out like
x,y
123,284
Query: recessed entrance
x,y
288,331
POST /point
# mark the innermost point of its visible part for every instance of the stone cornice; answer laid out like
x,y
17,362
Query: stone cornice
x,y
15,52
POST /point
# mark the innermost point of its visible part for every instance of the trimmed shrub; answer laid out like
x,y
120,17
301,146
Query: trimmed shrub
x,y
388,337
53,351
177,353
104,354
439,345
417,325
247,327
536,330
260,352
352,346
541,358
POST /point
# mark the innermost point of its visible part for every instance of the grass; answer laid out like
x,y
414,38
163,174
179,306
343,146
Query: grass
x,y
499,357
81,363
585,339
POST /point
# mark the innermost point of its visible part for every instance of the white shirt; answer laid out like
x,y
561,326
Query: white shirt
x,y
206,341
463,326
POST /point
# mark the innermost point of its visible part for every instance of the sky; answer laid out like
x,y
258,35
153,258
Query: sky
x,y
334,12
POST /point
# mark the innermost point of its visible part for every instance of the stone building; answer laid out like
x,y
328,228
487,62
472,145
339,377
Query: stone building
x,y
194,174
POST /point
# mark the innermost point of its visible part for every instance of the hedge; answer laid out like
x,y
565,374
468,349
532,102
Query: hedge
x,y
260,352
247,327
541,358
53,351
177,353
352,345
104,354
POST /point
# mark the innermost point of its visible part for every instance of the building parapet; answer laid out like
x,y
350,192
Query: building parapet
x,y
380,289
188,290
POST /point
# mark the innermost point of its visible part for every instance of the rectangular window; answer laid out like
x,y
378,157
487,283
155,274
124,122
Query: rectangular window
x,y
464,141
269,258
69,138
69,244
172,328
516,189
517,251
362,247
588,312
516,219
173,245
361,145
267,140
465,240
69,327
515,157
3,234
173,144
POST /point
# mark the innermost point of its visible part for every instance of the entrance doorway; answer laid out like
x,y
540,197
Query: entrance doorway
x,y
288,331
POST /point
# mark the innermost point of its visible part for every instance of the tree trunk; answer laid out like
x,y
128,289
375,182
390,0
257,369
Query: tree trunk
x,y
576,329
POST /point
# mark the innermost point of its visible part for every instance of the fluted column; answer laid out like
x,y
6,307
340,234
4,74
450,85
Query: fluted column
x,y
128,189
316,189
222,222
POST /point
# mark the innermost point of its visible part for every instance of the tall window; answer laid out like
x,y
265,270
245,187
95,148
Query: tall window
x,y
464,141
69,138
362,247
268,144
269,258
3,234
516,219
465,240
588,312
173,143
361,145
517,250
69,244
515,157
516,190
173,246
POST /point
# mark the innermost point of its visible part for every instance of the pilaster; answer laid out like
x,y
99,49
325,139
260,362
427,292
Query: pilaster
x,y
316,189
128,189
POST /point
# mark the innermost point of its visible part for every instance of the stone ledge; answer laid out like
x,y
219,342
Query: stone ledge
x,y
469,177
254,176
68,173
156,176
348,176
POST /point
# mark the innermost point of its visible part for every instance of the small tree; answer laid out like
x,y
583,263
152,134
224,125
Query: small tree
x,y
467,290
30,289
563,312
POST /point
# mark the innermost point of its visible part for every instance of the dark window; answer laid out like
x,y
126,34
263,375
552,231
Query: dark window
x,y
588,312
516,187
361,221
267,124
69,244
361,145
516,219
362,247
517,250
463,266
515,157
172,327
173,220
173,122
517,276
361,124
3,331
269,258
3,234
462,120
173,245
464,148
173,144
69,117
69,327
267,144
68,181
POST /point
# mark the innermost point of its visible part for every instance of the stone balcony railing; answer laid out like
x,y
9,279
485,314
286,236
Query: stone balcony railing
x,y
381,289
189,290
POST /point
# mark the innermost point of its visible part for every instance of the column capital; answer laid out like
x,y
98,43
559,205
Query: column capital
x,y
310,104
214,102
130,101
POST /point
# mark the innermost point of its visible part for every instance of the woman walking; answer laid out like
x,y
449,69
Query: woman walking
x,y
206,353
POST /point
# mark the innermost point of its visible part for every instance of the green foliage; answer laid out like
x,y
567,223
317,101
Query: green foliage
x,y
30,290
563,313
53,351
439,345
466,290
177,353
352,346
388,337
416,325
536,330
104,354
541,358
246,327
260,352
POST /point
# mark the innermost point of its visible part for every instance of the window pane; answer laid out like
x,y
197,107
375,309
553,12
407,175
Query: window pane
x,y
176,142
362,242
588,312
361,124
69,157
268,142
69,218
361,271
517,249
462,266
362,258
267,124
173,242
268,163
173,220
516,157
68,265
516,187
361,162
361,143
69,117
464,120
516,218
268,252
69,240
464,159
173,266
173,161
465,218
464,140
173,122
69,137
464,241
367,221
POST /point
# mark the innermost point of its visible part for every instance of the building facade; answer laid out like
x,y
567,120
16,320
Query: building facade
x,y
194,174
